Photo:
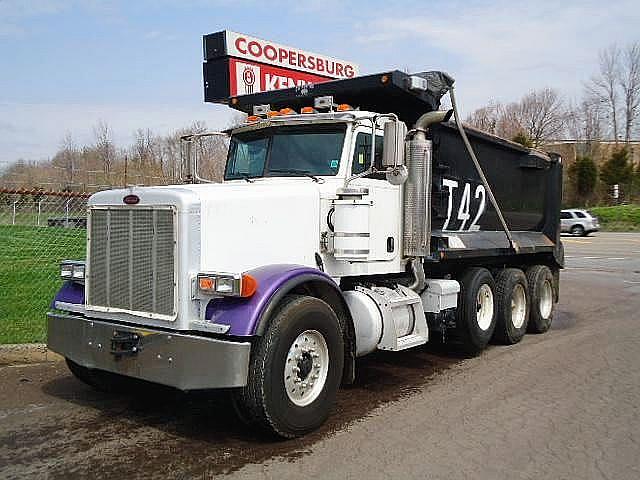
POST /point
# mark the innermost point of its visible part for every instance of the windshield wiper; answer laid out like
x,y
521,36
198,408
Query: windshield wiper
x,y
247,178
294,171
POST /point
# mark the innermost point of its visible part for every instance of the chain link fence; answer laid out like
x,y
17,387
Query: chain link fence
x,y
37,230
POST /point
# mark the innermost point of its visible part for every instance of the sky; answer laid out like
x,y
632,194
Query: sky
x,y
66,65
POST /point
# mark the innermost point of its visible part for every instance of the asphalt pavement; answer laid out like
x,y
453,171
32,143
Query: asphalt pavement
x,y
563,405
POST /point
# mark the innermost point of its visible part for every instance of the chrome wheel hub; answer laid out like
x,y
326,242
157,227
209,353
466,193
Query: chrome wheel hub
x,y
484,307
518,306
306,367
546,299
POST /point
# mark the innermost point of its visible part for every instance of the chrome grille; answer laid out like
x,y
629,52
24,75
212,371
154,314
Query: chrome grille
x,y
132,260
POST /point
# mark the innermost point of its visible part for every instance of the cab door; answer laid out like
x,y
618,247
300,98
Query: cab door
x,y
386,199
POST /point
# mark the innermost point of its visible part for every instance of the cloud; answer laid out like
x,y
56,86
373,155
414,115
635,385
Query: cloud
x,y
14,12
506,47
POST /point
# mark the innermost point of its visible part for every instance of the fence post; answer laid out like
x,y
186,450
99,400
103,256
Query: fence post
x,y
13,217
39,209
66,213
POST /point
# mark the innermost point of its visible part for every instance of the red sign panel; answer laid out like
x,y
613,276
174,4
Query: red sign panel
x,y
250,77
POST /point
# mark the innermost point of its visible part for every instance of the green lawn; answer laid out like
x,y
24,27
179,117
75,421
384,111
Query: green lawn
x,y
29,276
619,218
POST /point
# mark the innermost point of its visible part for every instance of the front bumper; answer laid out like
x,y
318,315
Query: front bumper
x,y
186,362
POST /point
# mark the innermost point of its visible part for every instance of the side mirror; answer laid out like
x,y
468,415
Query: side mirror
x,y
393,149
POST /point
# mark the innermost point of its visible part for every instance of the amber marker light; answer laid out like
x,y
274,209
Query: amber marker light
x,y
273,113
252,118
308,110
288,111
343,107
249,285
206,283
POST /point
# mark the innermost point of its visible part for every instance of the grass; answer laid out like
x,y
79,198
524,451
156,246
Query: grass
x,y
619,218
29,276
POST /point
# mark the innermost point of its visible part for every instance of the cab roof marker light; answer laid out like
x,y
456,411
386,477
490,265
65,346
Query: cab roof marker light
x,y
325,102
273,114
261,109
343,107
288,111
253,118
308,110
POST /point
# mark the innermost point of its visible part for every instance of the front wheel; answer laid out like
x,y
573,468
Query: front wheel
x,y
295,369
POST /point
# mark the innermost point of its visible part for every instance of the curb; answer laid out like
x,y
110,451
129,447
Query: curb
x,y
27,353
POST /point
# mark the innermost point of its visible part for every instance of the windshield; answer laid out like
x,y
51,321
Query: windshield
x,y
286,151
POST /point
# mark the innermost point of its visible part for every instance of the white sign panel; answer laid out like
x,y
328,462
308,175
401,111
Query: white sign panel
x,y
263,51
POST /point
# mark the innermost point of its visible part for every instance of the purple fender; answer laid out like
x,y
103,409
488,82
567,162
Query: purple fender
x,y
70,292
244,315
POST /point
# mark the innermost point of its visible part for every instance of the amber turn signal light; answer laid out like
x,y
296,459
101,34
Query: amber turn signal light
x,y
249,285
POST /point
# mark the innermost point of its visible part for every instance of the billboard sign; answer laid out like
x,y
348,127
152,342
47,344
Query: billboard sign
x,y
239,64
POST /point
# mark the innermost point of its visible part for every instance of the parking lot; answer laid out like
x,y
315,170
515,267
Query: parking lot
x,y
559,405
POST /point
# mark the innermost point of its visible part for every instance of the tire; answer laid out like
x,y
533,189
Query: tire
x,y
101,380
513,306
541,298
476,316
281,400
577,231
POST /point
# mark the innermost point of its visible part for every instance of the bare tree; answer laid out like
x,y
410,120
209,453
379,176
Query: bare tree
x,y
584,122
485,118
69,154
542,115
603,87
144,145
104,145
538,116
630,85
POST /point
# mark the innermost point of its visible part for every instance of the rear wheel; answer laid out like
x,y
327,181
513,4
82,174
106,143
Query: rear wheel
x,y
541,298
295,369
476,319
577,231
513,307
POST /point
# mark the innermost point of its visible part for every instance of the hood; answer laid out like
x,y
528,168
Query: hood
x,y
241,225
249,225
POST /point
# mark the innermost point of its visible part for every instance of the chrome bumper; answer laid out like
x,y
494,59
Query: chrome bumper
x,y
186,362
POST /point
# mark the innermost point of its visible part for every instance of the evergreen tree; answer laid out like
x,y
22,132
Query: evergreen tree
x,y
584,175
618,170
523,139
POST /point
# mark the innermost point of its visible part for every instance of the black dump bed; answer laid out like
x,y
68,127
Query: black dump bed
x,y
526,183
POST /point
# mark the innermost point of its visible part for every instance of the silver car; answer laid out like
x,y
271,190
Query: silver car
x,y
578,222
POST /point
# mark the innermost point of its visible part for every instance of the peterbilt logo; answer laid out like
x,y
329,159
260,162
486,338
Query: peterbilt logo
x,y
131,199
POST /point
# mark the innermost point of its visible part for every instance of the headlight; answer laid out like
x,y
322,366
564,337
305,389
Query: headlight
x,y
72,270
227,284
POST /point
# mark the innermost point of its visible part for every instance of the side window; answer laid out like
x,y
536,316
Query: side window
x,y
580,214
362,153
565,215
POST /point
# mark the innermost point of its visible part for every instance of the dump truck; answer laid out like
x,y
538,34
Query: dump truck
x,y
355,216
